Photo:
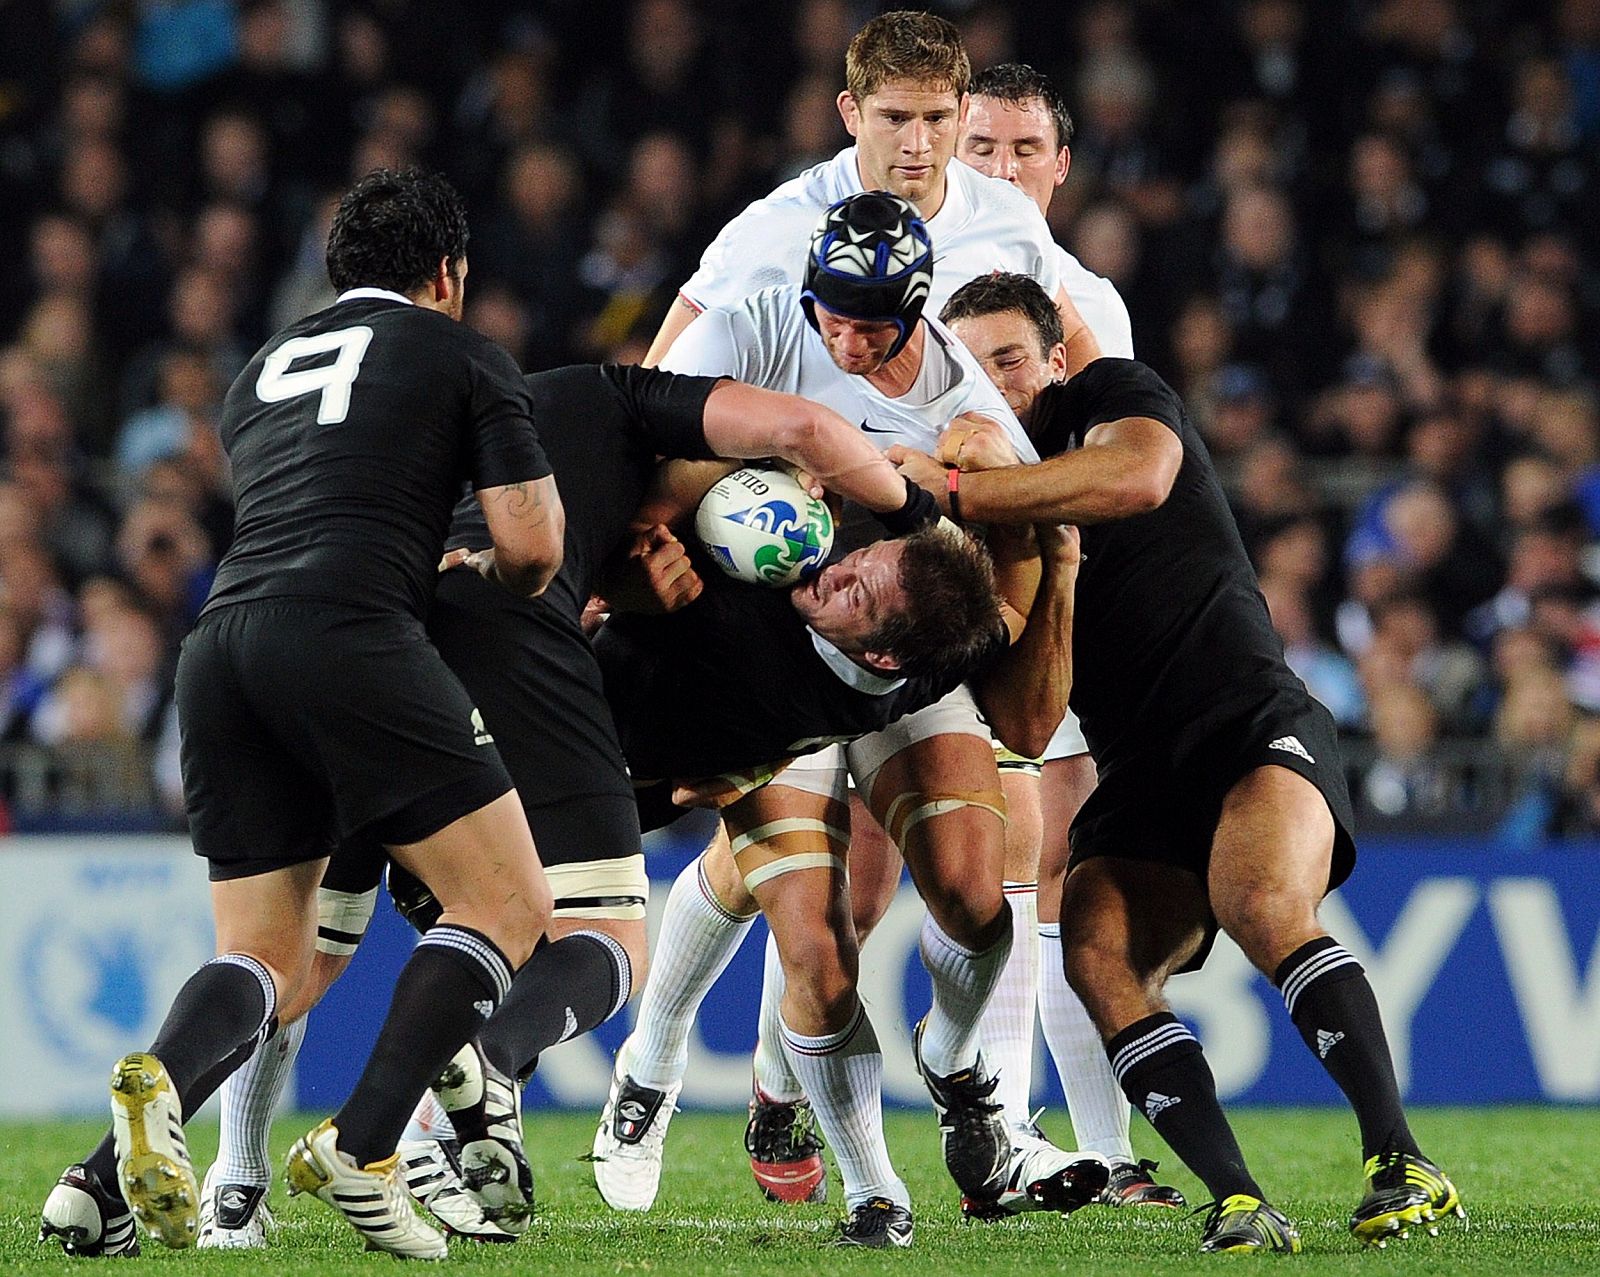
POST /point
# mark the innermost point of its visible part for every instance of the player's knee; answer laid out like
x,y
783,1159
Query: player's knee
x,y
819,970
1264,920
972,912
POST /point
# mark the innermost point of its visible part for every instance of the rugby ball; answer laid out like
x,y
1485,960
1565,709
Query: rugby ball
x,y
762,527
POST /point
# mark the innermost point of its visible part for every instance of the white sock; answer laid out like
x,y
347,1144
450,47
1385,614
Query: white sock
x,y
1008,1020
1096,1103
774,1078
962,983
843,1076
698,939
429,1121
249,1098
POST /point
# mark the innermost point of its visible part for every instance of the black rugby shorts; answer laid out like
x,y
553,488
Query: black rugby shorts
x,y
305,723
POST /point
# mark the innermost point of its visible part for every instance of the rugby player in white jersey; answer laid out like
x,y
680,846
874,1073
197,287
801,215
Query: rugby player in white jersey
x,y
906,77
905,99
852,337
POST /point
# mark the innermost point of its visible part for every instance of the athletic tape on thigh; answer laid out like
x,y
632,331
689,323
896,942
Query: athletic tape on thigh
x,y
617,889
342,918
911,808
771,861
1007,761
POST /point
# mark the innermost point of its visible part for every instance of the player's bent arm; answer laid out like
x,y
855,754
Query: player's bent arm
x,y
528,527
1082,348
1125,467
679,316
747,421
1024,693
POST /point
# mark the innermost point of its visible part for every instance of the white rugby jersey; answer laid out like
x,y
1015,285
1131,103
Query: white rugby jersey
x,y
1100,305
765,340
984,225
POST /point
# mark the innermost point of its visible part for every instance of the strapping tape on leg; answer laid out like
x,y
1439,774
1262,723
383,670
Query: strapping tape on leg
x,y
809,851
342,918
910,809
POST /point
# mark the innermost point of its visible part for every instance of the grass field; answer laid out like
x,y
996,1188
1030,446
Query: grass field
x,y
1524,1174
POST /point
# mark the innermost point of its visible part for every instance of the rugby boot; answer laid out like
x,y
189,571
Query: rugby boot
x,y
233,1216
876,1224
972,1129
485,1108
1042,1177
89,1219
1404,1191
785,1150
629,1140
372,1198
1242,1224
432,1173
153,1167
1133,1184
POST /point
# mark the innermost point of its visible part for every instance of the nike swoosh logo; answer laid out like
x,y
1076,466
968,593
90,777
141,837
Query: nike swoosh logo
x,y
879,430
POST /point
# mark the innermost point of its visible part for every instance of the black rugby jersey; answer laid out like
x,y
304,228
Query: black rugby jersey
x,y
602,426
734,681
350,434
1168,621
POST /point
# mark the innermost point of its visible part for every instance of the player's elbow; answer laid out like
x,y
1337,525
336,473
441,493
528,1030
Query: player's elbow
x,y
801,433
1147,485
528,565
1026,734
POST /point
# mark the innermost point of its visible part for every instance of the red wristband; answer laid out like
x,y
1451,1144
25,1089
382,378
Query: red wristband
x,y
953,488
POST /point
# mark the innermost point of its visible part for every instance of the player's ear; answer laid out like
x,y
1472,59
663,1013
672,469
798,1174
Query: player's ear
x,y
1058,361
1063,163
880,662
849,112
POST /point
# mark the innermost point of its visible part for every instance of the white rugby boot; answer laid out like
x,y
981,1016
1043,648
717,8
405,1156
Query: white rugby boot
x,y
628,1142
485,1109
233,1216
373,1198
433,1176
153,1167
88,1218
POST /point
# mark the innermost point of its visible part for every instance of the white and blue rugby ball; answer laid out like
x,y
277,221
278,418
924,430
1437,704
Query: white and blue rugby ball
x,y
762,527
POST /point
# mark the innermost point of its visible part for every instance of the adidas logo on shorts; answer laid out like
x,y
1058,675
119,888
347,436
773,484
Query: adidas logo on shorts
x,y
1292,745
484,1007
1155,1103
1326,1042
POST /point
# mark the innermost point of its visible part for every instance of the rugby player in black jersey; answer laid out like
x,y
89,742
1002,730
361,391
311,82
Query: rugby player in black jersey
x,y
314,708
1221,799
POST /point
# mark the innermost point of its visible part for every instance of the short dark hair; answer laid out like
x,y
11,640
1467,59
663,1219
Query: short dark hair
x,y
1018,83
1001,291
393,228
952,622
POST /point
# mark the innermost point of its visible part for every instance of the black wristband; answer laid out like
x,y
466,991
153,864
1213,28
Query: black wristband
x,y
919,510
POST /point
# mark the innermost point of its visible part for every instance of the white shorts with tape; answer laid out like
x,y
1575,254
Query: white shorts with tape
x,y
830,771
1068,741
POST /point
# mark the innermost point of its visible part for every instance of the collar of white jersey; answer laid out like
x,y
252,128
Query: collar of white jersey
x,y
849,673
373,294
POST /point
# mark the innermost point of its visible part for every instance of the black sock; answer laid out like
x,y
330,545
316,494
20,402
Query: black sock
x,y
568,987
222,1013
222,1008
449,986
1331,1003
1165,1076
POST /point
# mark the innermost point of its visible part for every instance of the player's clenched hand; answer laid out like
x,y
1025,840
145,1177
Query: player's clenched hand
x,y
1059,545
480,561
974,442
656,575
923,471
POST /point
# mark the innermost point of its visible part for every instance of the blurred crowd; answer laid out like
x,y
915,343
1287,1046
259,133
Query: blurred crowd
x,y
1357,235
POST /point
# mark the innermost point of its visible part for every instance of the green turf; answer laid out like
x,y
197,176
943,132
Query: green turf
x,y
1524,1174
